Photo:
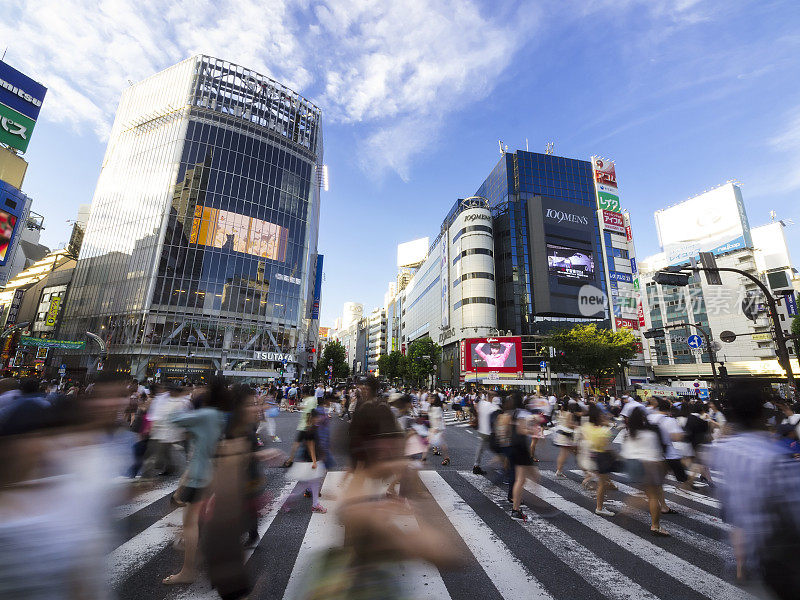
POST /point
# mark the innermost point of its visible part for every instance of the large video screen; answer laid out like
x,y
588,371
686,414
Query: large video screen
x,y
502,354
570,263
240,233
7,223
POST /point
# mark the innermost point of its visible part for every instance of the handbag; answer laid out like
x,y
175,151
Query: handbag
x,y
273,412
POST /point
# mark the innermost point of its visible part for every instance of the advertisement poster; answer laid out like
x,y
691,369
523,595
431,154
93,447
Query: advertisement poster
x,y
239,233
445,280
52,312
625,323
7,224
570,263
608,201
500,354
641,316
617,276
604,171
613,221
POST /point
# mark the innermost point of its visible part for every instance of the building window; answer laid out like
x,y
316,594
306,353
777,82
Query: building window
x,y
466,276
476,300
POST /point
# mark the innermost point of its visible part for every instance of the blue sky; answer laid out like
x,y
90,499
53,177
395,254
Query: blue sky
x,y
683,94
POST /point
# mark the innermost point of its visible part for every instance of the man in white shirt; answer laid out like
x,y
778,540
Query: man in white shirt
x,y
319,392
485,410
671,431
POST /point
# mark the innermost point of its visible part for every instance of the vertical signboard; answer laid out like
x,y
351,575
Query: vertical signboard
x,y
445,280
52,312
317,289
20,101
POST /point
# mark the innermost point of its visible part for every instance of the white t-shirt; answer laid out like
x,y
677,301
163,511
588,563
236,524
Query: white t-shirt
x,y
485,410
630,405
645,446
668,426
319,393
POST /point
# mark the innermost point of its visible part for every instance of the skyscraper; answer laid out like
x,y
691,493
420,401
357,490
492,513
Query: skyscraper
x,y
201,245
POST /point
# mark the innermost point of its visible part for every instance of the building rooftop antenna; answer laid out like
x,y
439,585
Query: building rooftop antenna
x,y
549,146
500,143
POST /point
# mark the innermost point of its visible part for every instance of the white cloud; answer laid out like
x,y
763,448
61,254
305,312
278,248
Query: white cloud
x,y
786,143
399,68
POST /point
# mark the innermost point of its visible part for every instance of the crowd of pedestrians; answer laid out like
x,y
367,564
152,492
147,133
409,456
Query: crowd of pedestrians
x,y
218,438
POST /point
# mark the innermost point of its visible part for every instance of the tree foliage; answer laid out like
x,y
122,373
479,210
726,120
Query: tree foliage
x,y
423,356
393,365
796,332
587,350
334,351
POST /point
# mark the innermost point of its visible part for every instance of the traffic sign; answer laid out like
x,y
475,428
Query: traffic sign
x,y
62,370
727,336
694,341
697,384
543,365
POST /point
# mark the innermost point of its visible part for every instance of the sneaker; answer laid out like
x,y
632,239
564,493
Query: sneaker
x,y
275,438
518,514
318,508
307,494
446,462
478,471
603,512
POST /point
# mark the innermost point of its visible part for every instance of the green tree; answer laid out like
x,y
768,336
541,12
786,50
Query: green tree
x,y
595,353
423,356
334,351
392,365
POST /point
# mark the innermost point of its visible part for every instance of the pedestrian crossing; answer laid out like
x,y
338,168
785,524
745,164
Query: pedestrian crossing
x,y
562,551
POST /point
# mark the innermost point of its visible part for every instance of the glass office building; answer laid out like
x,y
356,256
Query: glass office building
x,y
201,246
525,190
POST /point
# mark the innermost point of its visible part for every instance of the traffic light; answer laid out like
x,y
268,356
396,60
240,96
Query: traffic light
x,y
654,333
674,279
539,379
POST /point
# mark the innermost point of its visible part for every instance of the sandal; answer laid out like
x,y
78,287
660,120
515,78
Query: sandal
x,y
669,512
445,462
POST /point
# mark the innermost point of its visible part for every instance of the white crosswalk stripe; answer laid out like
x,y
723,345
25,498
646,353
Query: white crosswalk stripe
x,y
489,536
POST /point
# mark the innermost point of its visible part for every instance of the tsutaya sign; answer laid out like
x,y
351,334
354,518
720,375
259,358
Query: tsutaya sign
x,y
276,356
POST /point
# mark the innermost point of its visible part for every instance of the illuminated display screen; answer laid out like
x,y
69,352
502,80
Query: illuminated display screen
x,y
493,354
7,223
569,262
240,233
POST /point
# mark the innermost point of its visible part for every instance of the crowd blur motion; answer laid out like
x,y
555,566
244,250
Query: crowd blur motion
x,y
70,454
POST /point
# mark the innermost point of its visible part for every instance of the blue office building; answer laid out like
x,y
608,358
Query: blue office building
x,y
546,240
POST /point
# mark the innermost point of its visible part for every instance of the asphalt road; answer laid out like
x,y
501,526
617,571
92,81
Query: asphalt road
x,y
564,551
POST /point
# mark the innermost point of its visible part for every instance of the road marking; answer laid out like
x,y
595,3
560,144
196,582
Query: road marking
x,y
692,513
158,491
674,566
594,570
506,572
688,536
130,556
324,531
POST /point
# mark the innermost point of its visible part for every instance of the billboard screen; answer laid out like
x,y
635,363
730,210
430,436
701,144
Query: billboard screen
x,y
7,224
412,253
711,222
500,354
240,233
570,263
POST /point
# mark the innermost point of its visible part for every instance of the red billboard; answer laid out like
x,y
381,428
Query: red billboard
x,y
625,323
613,221
493,354
604,172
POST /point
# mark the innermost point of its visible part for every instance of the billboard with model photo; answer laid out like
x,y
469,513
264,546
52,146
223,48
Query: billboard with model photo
x,y
501,354
570,263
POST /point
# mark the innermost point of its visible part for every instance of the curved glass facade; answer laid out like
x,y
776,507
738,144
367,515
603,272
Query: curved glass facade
x,y
201,245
